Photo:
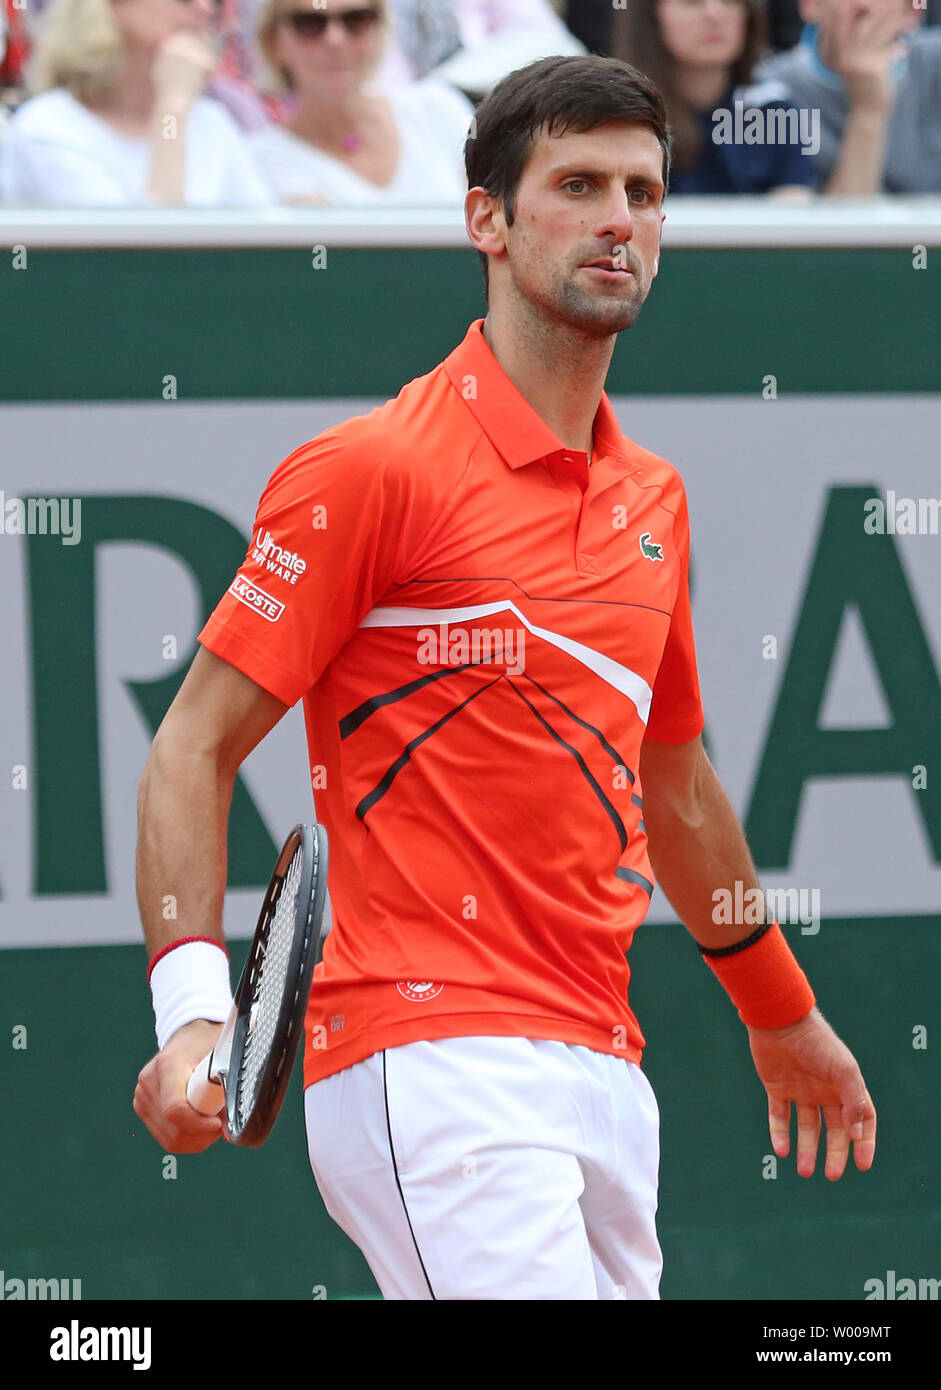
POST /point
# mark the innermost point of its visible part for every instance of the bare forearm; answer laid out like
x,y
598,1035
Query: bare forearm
x,y
183,812
861,163
167,181
696,847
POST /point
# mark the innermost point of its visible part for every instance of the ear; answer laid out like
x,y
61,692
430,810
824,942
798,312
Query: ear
x,y
483,219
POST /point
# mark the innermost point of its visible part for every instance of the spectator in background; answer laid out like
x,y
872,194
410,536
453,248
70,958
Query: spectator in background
x,y
425,33
14,50
347,141
875,78
233,82
701,54
235,79
118,116
590,21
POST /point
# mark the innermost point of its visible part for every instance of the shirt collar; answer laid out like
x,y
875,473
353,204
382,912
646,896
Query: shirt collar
x,y
511,424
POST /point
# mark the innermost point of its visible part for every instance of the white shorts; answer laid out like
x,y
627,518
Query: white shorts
x,y
493,1168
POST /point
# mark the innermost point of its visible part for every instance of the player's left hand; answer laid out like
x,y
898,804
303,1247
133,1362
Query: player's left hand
x,y
808,1064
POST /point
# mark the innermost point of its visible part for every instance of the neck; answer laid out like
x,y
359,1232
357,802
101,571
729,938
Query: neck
x,y
703,87
132,94
330,118
558,369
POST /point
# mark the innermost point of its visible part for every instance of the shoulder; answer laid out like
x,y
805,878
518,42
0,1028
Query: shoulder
x,y
782,66
656,472
431,99
47,115
388,444
766,91
925,48
402,459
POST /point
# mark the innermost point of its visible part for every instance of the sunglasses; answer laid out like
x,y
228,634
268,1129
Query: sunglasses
x,y
308,25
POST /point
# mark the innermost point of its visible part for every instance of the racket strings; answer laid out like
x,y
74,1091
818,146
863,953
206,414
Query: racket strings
x,y
269,988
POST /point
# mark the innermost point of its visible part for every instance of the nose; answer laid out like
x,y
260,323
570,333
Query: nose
x,y
335,32
618,219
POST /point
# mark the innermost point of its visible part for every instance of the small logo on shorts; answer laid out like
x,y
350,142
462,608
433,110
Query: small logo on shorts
x,y
419,990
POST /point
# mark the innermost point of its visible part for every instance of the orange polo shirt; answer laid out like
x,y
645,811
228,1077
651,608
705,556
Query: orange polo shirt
x,y
482,629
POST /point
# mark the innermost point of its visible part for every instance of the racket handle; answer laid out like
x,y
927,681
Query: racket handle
x,y
204,1095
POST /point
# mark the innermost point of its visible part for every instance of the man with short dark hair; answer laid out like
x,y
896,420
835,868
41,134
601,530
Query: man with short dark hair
x,y
492,637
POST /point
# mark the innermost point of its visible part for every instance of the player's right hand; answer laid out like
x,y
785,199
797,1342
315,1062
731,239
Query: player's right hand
x,y
160,1095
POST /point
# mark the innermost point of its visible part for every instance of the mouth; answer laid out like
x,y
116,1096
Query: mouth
x,y
607,270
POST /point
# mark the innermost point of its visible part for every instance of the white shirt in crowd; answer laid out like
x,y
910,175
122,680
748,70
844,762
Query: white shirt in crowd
x,y
478,22
432,120
55,152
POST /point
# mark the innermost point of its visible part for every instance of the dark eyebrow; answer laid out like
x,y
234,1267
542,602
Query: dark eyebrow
x,y
567,170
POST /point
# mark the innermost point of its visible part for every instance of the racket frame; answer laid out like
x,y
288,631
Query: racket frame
x,y
306,949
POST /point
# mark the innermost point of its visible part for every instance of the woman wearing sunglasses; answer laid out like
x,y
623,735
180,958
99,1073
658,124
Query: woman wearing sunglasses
x,y
346,140
118,114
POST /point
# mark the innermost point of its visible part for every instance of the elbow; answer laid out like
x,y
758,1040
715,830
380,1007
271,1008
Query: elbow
x,y
676,781
671,812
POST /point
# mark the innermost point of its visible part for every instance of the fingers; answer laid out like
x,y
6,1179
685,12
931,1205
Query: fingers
x,y
808,1137
853,1123
859,1118
181,1130
838,1142
808,1133
160,1101
779,1125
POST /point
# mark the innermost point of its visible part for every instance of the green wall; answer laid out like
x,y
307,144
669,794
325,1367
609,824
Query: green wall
x,y
108,325
84,1195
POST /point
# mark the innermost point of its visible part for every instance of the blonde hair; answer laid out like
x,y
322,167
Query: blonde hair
x,y
79,46
278,78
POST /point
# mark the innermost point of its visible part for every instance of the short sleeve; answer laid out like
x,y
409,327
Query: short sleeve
x,y
333,528
676,712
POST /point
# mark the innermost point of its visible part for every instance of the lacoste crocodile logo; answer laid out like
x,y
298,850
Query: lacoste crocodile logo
x,y
650,549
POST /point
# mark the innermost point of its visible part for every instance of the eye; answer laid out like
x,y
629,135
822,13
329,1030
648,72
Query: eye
x,y
645,194
583,182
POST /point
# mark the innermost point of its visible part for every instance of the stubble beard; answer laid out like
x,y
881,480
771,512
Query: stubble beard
x,y
605,311
598,313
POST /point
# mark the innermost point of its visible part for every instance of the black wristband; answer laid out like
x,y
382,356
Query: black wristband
x,y
739,945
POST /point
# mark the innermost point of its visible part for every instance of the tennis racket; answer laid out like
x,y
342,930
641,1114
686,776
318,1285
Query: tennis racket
x,y
249,1068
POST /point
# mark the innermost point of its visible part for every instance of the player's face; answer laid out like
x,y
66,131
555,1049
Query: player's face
x,y
584,197
148,23
703,33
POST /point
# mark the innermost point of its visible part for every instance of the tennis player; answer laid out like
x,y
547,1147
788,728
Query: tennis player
x,y
480,592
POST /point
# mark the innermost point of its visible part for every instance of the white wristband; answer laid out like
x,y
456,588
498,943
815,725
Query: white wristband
x,y
191,981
